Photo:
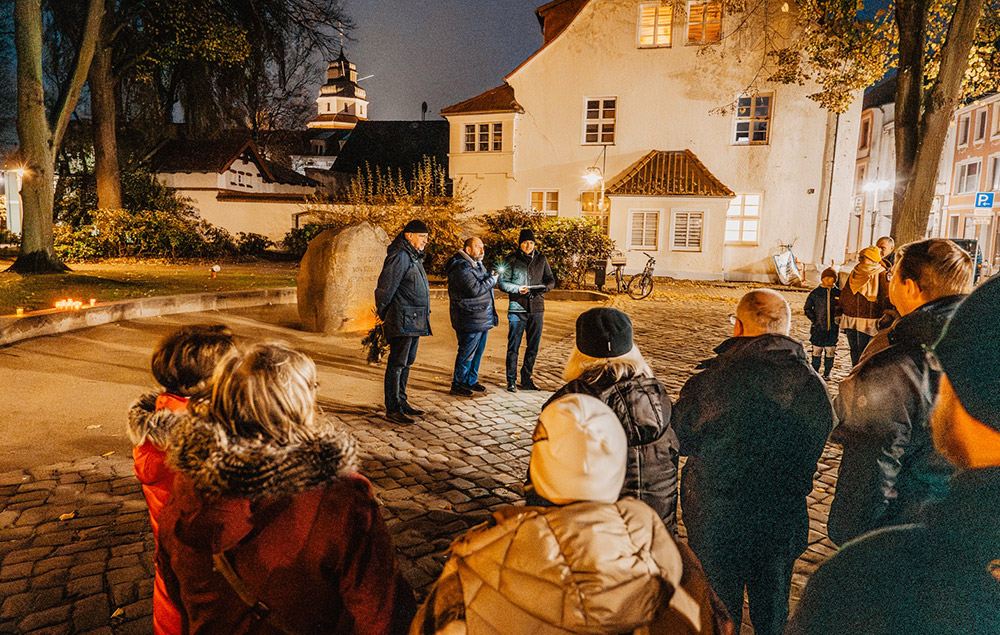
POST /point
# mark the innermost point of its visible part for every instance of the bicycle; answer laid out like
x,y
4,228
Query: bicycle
x,y
638,286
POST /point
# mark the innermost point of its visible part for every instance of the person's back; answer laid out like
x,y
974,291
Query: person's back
x,y
753,424
890,470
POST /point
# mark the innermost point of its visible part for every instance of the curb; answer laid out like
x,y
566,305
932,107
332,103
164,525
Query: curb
x,y
51,322
571,295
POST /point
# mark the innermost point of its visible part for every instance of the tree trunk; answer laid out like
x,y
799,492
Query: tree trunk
x,y
39,142
104,108
920,135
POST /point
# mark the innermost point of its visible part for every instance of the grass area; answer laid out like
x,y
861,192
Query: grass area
x,y
121,280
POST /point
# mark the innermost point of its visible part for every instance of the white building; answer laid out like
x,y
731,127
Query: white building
x,y
233,186
624,90
341,102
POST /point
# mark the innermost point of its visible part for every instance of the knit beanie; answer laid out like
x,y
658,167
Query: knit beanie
x,y
829,272
579,451
969,352
871,253
526,234
603,332
415,227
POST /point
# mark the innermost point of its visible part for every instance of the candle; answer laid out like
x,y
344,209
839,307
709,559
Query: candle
x,y
20,311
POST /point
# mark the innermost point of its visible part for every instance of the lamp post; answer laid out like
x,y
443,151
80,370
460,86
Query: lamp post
x,y
876,187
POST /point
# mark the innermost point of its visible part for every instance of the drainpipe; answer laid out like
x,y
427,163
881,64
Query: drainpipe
x,y
829,189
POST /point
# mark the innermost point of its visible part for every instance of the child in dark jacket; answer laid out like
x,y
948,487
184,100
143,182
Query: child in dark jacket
x,y
183,364
823,310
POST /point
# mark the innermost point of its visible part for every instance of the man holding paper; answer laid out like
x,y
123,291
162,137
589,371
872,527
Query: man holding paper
x,y
526,278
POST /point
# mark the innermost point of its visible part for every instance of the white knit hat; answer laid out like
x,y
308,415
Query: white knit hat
x,y
579,451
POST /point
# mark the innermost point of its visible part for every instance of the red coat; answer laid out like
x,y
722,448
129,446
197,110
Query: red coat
x,y
147,422
298,524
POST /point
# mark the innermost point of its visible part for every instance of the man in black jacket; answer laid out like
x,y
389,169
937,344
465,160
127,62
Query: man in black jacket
x,y
470,295
941,575
753,425
403,302
526,278
890,470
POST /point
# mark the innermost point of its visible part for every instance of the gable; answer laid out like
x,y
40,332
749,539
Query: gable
x,y
667,173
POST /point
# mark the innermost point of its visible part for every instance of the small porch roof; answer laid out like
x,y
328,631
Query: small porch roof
x,y
668,173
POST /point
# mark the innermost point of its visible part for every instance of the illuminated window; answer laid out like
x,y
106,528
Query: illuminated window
x,y
590,209
704,22
687,231
545,201
599,120
644,229
753,119
484,137
655,24
743,220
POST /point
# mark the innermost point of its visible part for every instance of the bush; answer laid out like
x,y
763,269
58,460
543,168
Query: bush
x,y
8,237
296,241
570,244
252,244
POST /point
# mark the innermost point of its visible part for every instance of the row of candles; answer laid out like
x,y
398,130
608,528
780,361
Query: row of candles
x,y
69,304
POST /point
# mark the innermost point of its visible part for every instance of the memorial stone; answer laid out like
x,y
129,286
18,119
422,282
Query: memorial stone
x,y
337,279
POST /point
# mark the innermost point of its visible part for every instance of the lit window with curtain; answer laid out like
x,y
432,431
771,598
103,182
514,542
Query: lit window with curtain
x,y
655,24
704,22
743,220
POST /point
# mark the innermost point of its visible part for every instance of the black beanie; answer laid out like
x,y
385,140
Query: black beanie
x,y
415,227
603,332
526,234
969,352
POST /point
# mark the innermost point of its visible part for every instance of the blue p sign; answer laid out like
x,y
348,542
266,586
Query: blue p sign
x,y
984,199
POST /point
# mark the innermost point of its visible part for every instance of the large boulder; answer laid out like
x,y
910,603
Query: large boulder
x,y
337,279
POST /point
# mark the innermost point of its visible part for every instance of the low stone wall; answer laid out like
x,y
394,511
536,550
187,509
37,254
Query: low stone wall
x,y
571,295
15,329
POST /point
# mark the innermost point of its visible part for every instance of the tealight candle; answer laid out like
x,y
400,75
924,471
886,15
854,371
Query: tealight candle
x,y
20,311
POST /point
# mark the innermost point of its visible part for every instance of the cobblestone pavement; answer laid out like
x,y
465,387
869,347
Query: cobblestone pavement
x,y
75,544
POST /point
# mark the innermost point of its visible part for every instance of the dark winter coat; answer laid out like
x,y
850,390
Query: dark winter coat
x,y
753,424
298,524
521,270
403,297
856,305
823,308
939,577
890,469
643,406
470,295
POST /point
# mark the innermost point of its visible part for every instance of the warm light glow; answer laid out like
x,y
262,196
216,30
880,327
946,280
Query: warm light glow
x,y
69,304
93,302
876,186
20,311
593,176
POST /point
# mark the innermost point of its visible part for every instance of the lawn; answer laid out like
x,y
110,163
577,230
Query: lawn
x,y
121,280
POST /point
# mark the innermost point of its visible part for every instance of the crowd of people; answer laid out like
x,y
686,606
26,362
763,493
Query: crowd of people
x,y
264,523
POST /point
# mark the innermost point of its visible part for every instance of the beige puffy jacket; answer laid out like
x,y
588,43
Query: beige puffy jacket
x,y
580,568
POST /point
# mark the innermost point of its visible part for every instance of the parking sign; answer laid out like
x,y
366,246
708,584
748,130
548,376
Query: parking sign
x,y
984,199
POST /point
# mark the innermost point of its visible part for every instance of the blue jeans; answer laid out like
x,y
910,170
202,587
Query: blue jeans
x,y
519,323
470,353
402,352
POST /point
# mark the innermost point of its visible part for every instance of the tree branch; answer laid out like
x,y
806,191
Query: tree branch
x,y
88,43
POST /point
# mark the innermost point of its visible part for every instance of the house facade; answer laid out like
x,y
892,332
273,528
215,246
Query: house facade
x,y
232,186
626,116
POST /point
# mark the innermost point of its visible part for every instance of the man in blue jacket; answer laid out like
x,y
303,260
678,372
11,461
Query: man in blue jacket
x,y
470,295
526,278
403,302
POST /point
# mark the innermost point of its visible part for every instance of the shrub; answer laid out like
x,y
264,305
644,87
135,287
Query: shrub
x,y
570,244
296,241
252,244
8,237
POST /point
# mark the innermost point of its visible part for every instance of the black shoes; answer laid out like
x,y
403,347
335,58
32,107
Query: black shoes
x,y
398,417
527,384
460,391
477,387
511,387
410,410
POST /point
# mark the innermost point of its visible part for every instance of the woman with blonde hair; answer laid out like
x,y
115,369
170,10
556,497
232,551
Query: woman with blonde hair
x,y
270,527
606,364
864,300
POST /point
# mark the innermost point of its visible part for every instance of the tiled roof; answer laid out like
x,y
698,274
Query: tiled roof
x,y
880,94
667,173
397,145
556,16
199,155
287,176
499,99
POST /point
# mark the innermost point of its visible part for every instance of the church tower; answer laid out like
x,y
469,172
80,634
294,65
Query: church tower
x,y
341,102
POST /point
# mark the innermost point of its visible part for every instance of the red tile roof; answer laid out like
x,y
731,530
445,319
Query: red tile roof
x,y
499,99
667,173
556,16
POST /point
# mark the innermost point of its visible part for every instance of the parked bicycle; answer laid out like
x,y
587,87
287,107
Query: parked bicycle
x,y
638,286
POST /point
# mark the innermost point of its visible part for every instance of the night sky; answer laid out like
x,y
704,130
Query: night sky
x,y
438,51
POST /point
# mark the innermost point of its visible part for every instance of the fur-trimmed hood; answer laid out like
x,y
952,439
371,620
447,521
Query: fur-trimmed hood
x,y
146,423
218,464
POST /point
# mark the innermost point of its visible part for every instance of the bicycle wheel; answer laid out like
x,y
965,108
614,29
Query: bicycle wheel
x,y
640,286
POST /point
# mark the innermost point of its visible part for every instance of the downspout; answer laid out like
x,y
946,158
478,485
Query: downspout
x,y
829,188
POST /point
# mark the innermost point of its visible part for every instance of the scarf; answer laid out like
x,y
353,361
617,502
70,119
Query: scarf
x,y
864,279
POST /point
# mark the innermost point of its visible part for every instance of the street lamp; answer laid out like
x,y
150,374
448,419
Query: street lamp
x,y
876,187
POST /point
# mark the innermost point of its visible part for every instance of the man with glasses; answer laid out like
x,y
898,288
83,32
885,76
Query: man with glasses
x,y
941,575
890,471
